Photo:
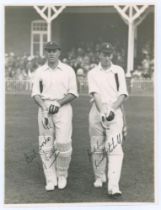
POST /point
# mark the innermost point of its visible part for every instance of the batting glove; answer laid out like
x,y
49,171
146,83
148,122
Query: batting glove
x,y
54,107
107,114
45,119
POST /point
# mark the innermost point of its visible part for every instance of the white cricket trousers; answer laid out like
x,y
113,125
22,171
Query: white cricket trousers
x,y
55,144
106,145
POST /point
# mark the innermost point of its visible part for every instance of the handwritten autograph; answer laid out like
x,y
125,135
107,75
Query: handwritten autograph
x,y
44,142
54,155
108,148
30,156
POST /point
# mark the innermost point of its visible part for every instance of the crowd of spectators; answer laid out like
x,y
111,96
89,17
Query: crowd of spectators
x,y
21,67
144,63
82,58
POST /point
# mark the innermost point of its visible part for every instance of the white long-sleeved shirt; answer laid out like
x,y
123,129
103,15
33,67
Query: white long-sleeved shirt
x,y
56,82
103,82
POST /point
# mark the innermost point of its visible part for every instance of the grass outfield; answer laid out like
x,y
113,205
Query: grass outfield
x,y
24,180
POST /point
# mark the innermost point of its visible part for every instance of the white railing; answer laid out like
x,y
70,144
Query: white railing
x,y
137,86
18,86
142,86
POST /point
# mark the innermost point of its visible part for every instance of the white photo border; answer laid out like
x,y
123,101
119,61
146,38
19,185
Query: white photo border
x,y
117,206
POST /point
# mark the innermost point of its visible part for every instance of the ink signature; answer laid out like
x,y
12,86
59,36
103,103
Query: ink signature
x,y
54,155
106,147
30,156
44,142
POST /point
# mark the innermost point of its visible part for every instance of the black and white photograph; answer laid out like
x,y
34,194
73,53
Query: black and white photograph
x,y
79,89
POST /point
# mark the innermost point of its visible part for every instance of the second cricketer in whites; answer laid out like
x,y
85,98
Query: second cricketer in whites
x,y
54,87
107,86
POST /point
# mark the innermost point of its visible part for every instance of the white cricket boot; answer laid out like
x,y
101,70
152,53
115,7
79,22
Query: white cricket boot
x,y
98,183
62,182
50,186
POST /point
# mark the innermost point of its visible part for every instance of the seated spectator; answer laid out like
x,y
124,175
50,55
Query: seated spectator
x,y
65,60
152,67
145,65
80,72
137,73
20,73
86,65
30,67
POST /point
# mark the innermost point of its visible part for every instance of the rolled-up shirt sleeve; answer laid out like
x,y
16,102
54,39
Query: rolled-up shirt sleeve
x,y
73,84
122,83
92,84
36,84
